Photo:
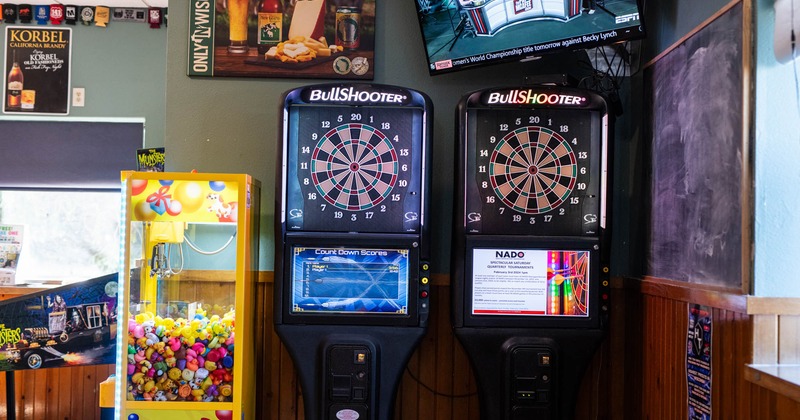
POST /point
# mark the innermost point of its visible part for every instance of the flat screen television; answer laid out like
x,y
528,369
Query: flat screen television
x,y
530,282
350,280
459,34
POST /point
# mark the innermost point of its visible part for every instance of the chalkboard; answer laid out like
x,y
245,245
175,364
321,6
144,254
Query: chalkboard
x,y
67,154
694,97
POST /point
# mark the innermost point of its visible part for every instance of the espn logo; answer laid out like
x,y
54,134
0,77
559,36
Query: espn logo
x,y
627,18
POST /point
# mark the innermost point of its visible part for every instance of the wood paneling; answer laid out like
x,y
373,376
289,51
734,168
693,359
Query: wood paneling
x,y
653,319
639,372
56,393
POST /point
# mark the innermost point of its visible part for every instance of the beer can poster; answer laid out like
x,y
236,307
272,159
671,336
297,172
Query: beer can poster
x,y
36,78
327,39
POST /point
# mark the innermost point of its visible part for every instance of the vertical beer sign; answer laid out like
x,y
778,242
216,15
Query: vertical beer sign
x,y
37,71
201,38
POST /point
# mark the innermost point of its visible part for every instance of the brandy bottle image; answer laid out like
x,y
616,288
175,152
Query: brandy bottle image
x,y
14,85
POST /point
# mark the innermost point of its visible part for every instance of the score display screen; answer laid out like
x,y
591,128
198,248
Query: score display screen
x,y
347,280
534,170
354,168
530,282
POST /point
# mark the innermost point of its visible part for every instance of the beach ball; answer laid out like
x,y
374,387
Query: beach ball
x,y
143,213
224,414
190,195
138,186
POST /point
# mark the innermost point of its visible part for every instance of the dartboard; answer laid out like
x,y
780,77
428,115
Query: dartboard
x,y
354,166
532,170
354,169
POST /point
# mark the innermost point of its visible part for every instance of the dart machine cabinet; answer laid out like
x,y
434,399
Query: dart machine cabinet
x,y
352,243
530,245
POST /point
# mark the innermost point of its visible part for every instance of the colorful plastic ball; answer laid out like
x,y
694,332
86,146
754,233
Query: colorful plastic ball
x,y
224,414
227,361
138,186
174,374
133,416
166,182
174,208
226,390
216,185
190,195
138,331
143,213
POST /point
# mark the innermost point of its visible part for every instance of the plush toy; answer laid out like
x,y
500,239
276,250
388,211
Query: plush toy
x,y
160,396
178,359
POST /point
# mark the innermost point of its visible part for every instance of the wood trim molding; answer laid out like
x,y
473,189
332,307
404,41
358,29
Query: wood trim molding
x,y
760,305
716,297
781,379
696,29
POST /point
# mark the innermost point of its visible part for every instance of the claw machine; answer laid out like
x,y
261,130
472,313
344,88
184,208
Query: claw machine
x,y
190,257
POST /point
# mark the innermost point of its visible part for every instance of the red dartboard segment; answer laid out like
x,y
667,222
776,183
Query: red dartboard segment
x,y
533,170
354,167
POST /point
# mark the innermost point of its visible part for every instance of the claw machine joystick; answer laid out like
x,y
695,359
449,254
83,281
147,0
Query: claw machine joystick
x,y
189,249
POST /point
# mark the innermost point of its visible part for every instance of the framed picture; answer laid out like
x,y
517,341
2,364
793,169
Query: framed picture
x,y
37,70
332,39
697,111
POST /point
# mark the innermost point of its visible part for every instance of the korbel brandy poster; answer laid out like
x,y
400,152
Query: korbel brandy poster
x,y
331,39
37,70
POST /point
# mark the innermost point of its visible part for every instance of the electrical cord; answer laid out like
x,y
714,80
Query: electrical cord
x,y
170,271
435,392
200,251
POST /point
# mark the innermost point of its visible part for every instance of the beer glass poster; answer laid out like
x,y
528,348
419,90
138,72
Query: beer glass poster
x,y
37,70
331,39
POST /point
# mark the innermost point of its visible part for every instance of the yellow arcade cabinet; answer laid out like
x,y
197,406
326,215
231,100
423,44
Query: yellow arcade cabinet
x,y
189,252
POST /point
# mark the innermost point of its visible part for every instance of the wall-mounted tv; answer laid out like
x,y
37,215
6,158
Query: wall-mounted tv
x,y
458,34
350,280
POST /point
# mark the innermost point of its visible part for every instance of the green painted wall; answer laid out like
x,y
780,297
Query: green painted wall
x,y
123,69
231,124
667,21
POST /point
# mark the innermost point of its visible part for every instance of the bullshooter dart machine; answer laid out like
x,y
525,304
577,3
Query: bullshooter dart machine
x,y
530,254
352,252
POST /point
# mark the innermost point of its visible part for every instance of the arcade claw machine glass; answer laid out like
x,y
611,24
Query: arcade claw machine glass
x,y
189,256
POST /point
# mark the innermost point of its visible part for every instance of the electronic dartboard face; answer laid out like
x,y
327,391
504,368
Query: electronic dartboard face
x,y
533,170
354,168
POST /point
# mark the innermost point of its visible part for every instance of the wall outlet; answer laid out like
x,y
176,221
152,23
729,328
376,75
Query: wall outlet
x,y
78,96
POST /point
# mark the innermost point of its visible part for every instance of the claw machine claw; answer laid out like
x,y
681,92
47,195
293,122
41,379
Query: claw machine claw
x,y
189,262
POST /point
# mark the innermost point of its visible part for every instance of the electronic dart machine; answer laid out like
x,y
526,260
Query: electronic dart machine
x,y
352,251
530,253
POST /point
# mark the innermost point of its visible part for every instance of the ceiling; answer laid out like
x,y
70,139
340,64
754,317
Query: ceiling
x,y
107,3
